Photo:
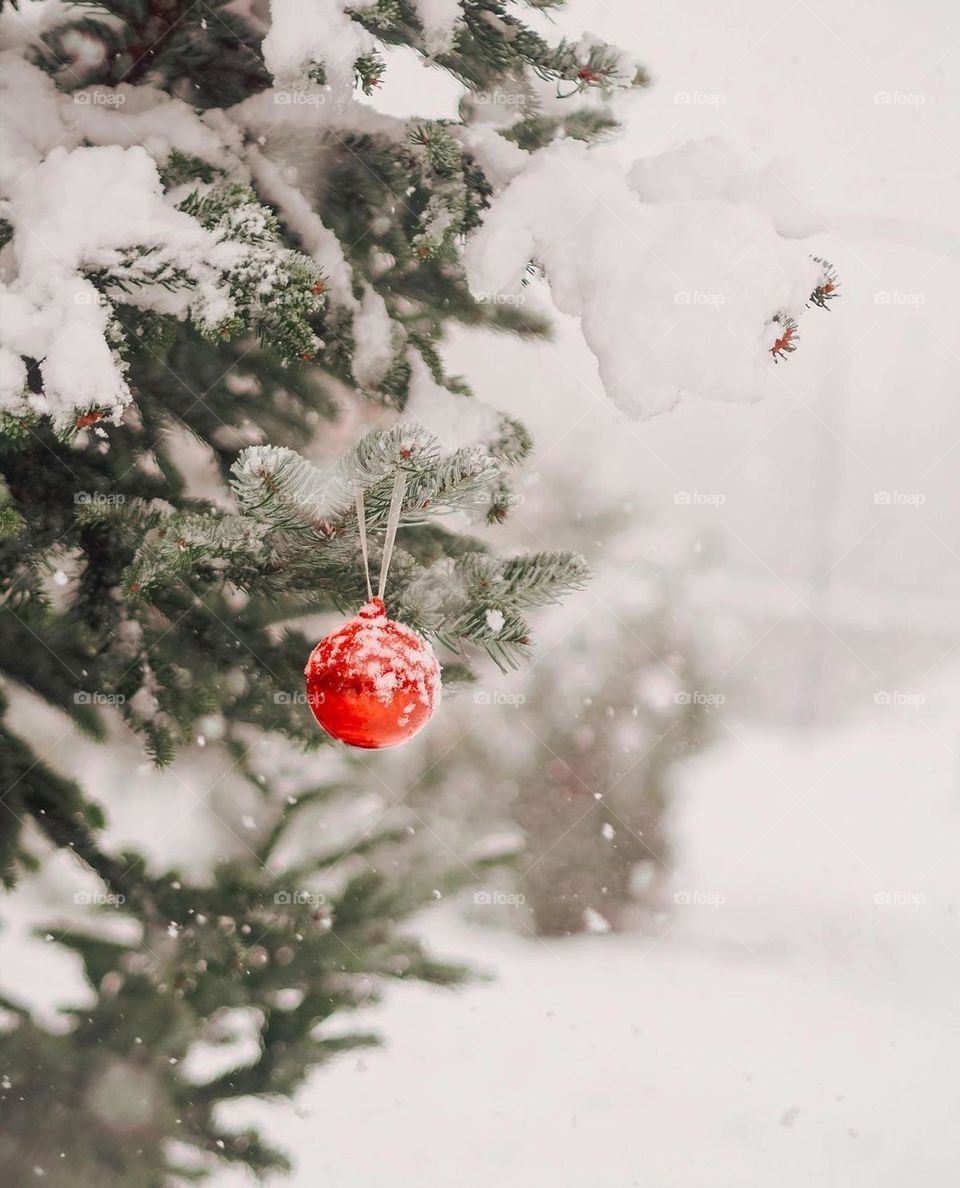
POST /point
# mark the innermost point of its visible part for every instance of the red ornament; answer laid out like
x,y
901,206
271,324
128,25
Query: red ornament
x,y
373,683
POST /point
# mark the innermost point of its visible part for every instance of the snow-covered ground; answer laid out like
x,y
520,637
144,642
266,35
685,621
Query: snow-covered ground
x,y
795,1023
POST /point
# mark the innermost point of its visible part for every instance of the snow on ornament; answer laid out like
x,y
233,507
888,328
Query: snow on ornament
x,y
373,682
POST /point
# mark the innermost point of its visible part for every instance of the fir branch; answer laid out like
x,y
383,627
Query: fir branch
x,y
278,488
188,540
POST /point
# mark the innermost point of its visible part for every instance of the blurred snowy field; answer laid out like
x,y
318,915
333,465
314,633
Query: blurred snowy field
x,y
795,1023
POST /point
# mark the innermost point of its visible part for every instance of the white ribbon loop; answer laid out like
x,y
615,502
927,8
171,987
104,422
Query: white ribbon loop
x,y
393,523
362,525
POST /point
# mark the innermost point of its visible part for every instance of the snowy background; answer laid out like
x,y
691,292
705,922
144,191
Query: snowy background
x,y
790,1015
795,1021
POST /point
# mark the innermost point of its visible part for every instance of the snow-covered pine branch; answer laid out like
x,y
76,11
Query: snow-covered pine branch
x,y
122,195
278,488
92,229
679,271
480,599
188,542
692,307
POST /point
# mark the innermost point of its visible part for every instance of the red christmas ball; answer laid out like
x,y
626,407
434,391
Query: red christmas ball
x,y
373,683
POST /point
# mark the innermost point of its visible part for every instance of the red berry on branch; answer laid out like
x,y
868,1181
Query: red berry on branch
x,y
87,419
787,342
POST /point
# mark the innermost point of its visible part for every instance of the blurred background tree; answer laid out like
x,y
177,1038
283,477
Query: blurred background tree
x,y
590,739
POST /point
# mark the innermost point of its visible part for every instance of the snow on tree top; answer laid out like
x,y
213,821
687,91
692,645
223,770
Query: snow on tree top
x,y
676,270
302,36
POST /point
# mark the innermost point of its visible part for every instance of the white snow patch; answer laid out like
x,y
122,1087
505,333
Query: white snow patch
x,y
495,620
439,19
373,338
453,419
673,297
317,32
316,239
799,1000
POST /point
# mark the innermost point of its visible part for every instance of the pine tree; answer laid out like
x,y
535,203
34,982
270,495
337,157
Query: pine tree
x,y
594,798
591,742
209,238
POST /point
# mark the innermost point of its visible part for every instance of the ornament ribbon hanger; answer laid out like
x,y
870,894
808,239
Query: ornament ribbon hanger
x,y
362,524
393,523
